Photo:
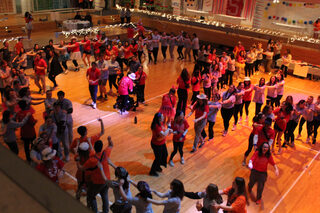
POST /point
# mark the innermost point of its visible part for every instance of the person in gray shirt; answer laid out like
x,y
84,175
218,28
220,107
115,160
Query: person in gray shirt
x,y
155,43
102,65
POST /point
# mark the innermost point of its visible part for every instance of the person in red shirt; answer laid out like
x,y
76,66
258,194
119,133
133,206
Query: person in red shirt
x,y
263,134
141,77
259,167
158,144
97,182
283,114
127,49
130,32
195,83
180,128
75,52
51,165
168,104
86,50
201,109
40,67
183,84
96,48
28,132
237,197
93,76
18,46
237,49
247,97
83,132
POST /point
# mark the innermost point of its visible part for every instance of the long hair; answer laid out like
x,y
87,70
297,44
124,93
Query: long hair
x,y
144,190
177,189
260,148
185,75
241,185
156,120
6,116
178,113
213,193
260,84
201,106
270,83
121,173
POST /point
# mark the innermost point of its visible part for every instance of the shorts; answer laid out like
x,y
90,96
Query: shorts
x,y
103,82
87,52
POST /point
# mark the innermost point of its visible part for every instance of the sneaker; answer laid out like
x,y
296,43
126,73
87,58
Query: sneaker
x,y
224,133
298,136
154,174
94,106
258,202
210,139
125,113
193,151
240,120
182,161
234,127
244,163
201,145
308,140
171,163
247,119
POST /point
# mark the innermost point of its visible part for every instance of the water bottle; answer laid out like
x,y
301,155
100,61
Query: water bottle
x,y
135,120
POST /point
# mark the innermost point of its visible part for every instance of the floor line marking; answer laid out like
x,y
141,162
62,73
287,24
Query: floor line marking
x,y
294,183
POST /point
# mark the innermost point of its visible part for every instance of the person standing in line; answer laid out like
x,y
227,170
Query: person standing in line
x,y
164,45
258,97
237,197
277,53
206,80
155,44
259,167
63,55
180,129
188,45
5,78
195,47
247,97
86,43
158,144
54,68
269,57
102,65
172,44
280,88
238,104
231,64
316,120
128,15
249,65
28,19
195,83
93,76
122,15
40,67
141,45
183,85
125,86
286,60
227,109
307,115
141,77
259,57
271,91
114,69
214,107
201,109
179,40
149,46
75,52
240,63
167,108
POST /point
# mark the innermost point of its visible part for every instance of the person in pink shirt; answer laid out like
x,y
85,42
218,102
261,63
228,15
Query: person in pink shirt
x,y
125,85
93,76
195,83
168,104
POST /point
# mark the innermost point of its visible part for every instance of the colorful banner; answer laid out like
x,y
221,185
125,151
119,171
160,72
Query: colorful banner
x,y
176,7
207,5
234,8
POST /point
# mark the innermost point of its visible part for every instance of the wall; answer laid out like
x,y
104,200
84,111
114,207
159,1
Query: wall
x,y
7,6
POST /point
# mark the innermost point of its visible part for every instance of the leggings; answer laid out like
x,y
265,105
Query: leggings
x,y
194,96
289,132
171,48
112,81
195,54
238,108
75,63
309,126
164,51
64,64
27,143
277,101
229,76
257,177
271,100
207,91
155,54
161,155
248,69
150,56
182,102
179,50
120,61
258,108
250,145
210,129
226,116
52,78
177,146
246,107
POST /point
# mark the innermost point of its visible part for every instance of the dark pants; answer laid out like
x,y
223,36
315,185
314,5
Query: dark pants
x,y
128,19
13,147
164,51
53,79
316,124
207,91
93,92
27,143
246,107
289,133
75,63
229,77
238,108
179,50
271,100
309,126
250,145
284,70
260,178
56,147
226,116
161,155
64,64
120,61
93,190
140,93
195,54
258,108
122,20
123,102
277,101
210,129
182,102
194,96
150,56
140,53
249,69
113,81
155,54
177,146
275,58
257,64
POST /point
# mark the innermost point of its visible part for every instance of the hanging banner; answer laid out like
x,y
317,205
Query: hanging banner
x,y
176,7
207,5
234,7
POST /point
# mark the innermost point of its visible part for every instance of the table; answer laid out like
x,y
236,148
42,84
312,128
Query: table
x,y
75,24
301,69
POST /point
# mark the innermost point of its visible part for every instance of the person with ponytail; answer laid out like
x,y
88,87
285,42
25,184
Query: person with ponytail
x,y
183,85
227,110
237,197
259,166
258,97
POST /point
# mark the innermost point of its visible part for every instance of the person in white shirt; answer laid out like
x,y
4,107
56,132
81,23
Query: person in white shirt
x,y
269,56
250,58
286,60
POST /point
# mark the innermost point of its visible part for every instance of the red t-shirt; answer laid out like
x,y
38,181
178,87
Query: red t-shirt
x,y
140,29
76,48
87,45
182,84
142,79
94,75
127,52
195,81
93,140
130,32
239,205
260,163
166,102
91,166
156,134
28,130
18,47
53,172
199,112
212,57
180,128
247,96
96,47
261,135
40,63
115,50
282,118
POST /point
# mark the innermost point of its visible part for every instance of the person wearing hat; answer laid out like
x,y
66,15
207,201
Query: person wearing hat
x,y
35,154
51,166
75,52
125,85
201,109
93,76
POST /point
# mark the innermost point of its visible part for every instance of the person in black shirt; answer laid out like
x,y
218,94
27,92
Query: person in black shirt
x,y
6,54
88,18
49,48
78,16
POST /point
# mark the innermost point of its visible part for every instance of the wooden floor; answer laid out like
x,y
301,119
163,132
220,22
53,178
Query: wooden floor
x,y
295,190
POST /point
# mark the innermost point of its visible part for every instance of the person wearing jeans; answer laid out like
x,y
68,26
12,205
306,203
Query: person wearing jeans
x,y
214,107
238,105
227,110
93,76
247,97
258,97
183,84
155,43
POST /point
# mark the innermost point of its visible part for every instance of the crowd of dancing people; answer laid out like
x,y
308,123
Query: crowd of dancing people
x,y
121,63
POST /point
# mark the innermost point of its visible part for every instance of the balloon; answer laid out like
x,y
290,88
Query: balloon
x,y
268,4
274,17
310,22
289,21
277,18
266,8
305,22
290,5
294,4
269,17
294,21
284,2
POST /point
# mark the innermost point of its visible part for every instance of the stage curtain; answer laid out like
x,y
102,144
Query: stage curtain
x,y
234,8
